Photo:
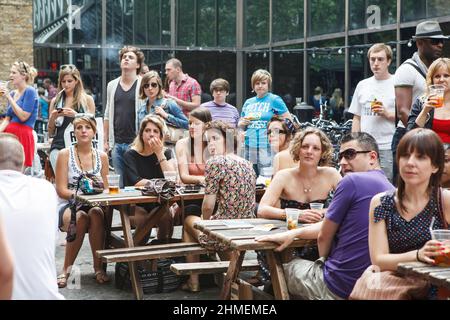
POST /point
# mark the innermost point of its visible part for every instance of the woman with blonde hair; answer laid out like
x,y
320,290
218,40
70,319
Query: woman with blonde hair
x,y
427,111
70,101
23,105
72,162
148,159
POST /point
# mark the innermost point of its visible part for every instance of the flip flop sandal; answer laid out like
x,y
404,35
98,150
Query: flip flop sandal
x,y
62,280
101,277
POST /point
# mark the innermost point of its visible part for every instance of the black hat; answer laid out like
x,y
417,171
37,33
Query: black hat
x,y
429,29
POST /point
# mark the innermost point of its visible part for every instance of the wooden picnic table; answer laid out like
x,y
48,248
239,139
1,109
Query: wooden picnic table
x,y
239,235
125,201
438,276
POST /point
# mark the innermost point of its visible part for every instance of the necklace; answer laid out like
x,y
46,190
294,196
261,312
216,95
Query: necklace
x,y
306,189
79,160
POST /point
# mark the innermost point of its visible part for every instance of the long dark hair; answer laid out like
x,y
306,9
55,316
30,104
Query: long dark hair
x,y
204,115
424,142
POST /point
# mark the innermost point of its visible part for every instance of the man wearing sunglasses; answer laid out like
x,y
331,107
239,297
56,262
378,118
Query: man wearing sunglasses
x,y
342,237
373,104
410,77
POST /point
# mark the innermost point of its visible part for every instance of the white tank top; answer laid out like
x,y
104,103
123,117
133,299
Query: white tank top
x,y
75,171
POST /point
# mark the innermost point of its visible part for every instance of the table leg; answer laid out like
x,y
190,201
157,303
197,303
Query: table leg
x,y
277,275
108,222
152,219
237,257
126,226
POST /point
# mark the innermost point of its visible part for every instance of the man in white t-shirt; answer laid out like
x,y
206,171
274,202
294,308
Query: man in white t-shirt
x,y
28,210
373,104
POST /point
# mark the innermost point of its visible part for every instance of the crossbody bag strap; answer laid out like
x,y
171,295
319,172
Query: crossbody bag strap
x,y
417,68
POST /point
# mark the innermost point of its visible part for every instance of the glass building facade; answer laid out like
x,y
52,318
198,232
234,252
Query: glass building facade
x,y
303,43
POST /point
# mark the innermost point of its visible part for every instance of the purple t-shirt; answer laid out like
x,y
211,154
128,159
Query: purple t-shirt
x,y
349,254
227,113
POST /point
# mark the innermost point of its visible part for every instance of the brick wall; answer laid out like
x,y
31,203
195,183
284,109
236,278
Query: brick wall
x,y
16,35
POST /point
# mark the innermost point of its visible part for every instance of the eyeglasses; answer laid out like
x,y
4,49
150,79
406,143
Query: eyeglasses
x,y
350,154
153,84
275,132
67,66
435,42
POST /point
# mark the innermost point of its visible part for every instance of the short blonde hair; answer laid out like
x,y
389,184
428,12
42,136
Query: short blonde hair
x,y
261,75
87,119
380,47
26,70
138,143
327,147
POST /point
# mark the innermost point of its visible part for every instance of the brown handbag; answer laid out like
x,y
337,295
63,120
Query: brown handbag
x,y
388,285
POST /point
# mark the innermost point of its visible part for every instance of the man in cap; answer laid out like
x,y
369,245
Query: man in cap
x,y
410,77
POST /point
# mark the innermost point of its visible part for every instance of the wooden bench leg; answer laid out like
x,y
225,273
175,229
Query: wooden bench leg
x,y
126,226
237,257
277,275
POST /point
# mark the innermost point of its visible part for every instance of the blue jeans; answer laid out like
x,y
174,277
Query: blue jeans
x,y
260,157
117,158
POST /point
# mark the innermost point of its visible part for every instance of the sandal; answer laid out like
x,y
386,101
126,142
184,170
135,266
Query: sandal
x,y
62,280
101,277
190,287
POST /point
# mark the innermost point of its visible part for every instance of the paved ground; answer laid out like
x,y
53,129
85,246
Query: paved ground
x,y
85,287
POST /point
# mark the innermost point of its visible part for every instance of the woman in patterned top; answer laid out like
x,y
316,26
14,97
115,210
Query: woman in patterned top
x,y
399,222
230,184
71,162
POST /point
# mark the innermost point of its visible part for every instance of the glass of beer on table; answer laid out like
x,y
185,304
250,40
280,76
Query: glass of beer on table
x,y
113,182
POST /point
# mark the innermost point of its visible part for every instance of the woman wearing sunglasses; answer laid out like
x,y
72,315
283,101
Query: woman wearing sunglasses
x,y
70,101
400,221
23,104
72,162
280,133
432,112
154,102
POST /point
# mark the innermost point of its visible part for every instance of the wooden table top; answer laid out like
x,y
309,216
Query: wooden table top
x,y
438,276
133,196
240,234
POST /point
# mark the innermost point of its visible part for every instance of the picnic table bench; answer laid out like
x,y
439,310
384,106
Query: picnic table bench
x,y
438,276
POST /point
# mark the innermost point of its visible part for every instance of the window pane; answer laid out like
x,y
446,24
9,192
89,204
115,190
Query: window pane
x,y
326,16
257,22
186,22
416,10
360,18
206,30
287,19
227,23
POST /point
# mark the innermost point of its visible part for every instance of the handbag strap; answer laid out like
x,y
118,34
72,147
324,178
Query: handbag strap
x,y
441,208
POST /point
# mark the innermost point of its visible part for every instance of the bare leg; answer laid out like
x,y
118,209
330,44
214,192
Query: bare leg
x,y
165,226
190,234
96,234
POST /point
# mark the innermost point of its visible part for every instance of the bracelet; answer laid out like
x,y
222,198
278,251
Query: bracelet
x,y
417,256
162,160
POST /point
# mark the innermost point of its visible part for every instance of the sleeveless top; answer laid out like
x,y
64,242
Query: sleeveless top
x,y
58,139
196,169
442,128
305,205
404,236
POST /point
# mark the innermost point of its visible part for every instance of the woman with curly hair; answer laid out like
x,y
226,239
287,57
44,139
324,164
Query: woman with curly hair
x,y
311,181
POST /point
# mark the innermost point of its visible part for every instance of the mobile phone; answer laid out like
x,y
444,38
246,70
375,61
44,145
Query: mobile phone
x,y
192,189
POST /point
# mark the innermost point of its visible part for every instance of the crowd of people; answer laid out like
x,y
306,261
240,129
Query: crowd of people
x,y
151,128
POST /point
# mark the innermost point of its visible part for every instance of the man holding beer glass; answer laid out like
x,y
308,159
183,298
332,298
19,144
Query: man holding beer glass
x,y
432,110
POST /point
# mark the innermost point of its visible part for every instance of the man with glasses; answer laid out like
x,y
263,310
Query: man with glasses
x,y
342,237
410,77
373,104
122,104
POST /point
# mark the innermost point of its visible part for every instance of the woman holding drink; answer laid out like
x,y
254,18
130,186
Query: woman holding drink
x,y
23,105
72,162
432,110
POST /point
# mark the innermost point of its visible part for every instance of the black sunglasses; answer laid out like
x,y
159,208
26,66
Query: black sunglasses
x,y
85,116
269,132
350,154
435,42
153,84
67,66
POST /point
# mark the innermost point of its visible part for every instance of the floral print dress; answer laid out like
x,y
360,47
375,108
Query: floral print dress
x,y
233,180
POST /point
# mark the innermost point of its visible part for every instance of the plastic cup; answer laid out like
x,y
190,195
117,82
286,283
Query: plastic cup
x,y
437,92
3,84
170,175
267,173
316,206
375,105
443,236
113,182
292,218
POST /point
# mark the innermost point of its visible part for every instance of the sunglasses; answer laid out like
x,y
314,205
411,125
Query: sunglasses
x,y
435,42
153,84
350,154
89,116
275,132
67,66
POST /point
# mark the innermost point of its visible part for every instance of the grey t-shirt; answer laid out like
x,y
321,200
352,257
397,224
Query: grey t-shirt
x,y
125,114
